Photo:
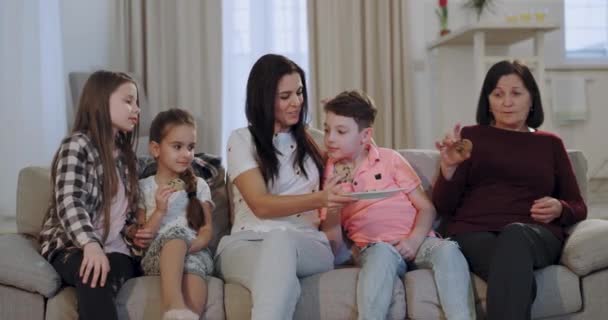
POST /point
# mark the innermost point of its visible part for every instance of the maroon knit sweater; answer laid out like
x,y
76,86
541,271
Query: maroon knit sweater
x,y
507,171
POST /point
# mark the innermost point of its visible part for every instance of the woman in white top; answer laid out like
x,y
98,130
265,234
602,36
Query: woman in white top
x,y
275,167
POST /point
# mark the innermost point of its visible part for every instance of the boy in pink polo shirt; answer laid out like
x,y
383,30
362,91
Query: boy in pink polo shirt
x,y
392,233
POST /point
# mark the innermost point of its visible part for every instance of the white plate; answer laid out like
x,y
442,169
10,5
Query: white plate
x,y
375,194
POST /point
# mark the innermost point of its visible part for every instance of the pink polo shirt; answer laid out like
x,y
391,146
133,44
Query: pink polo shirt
x,y
386,219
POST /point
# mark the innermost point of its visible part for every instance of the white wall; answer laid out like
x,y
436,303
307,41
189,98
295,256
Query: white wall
x,y
443,80
88,39
41,41
31,100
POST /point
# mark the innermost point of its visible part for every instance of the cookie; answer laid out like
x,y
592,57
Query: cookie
x,y
177,184
464,146
345,171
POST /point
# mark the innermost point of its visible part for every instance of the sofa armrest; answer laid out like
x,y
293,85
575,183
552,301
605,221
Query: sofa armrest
x,y
585,248
23,267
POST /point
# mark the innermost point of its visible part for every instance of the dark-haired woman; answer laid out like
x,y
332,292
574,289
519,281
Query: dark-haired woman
x,y
275,167
511,197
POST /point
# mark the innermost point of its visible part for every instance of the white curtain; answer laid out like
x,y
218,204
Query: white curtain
x,y
252,28
175,48
359,44
32,90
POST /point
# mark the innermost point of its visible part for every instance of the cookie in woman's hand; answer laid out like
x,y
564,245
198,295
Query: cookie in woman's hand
x,y
464,146
177,184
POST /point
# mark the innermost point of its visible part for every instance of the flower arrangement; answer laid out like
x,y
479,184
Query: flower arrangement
x,y
478,5
442,14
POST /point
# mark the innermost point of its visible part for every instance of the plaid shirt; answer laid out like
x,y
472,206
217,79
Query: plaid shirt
x,y
78,198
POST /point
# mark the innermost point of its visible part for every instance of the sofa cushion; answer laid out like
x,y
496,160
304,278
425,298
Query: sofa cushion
x,y
585,249
579,166
328,295
24,268
140,298
33,196
62,306
423,301
20,304
426,164
558,290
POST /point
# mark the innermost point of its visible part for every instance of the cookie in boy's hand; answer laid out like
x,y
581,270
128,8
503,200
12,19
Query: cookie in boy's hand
x,y
177,184
345,171
464,146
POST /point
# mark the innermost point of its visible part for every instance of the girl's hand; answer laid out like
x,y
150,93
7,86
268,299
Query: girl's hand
x,y
143,237
94,263
333,194
546,209
162,198
453,149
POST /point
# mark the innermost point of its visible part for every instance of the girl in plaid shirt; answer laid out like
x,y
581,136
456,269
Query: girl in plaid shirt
x,y
94,196
177,205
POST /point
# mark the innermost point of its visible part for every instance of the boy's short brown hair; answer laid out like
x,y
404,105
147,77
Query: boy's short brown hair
x,y
354,104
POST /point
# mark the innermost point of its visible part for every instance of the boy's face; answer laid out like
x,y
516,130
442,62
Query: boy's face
x,y
343,140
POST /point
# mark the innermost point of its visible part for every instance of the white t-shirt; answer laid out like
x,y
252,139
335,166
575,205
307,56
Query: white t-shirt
x,y
178,201
290,181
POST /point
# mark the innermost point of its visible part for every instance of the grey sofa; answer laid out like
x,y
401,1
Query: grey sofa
x,y
30,289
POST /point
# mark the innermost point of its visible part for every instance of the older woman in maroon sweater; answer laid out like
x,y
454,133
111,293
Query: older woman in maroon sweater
x,y
510,198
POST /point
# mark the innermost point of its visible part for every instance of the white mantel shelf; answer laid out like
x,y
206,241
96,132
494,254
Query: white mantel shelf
x,y
497,33
483,34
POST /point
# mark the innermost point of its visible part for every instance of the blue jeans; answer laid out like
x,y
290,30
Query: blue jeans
x,y
380,263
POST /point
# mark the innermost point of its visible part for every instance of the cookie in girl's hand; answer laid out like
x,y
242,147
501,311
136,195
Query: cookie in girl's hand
x,y
177,184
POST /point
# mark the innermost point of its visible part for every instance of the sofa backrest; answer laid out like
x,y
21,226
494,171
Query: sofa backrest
x,y
33,190
33,195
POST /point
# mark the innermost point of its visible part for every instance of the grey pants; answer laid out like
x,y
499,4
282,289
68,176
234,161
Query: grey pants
x,y
269,265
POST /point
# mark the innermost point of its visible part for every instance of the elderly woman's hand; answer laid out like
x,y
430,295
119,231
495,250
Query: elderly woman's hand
x,y
453,151
546,209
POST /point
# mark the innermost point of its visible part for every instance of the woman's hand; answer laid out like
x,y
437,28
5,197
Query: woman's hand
x,y
94,263
546,209
453,151
162,198
333,194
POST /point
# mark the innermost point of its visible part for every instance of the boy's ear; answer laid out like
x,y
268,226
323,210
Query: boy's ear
x,y
368,135
154,149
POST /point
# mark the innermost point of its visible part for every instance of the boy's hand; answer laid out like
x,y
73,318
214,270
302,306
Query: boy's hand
x,y
407,248
162,198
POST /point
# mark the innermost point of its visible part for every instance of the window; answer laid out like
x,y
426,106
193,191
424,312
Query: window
x,y
252,28
586,29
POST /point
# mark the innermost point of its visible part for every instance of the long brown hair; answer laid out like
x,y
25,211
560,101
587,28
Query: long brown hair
x,y
262,86
93,119
159,128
